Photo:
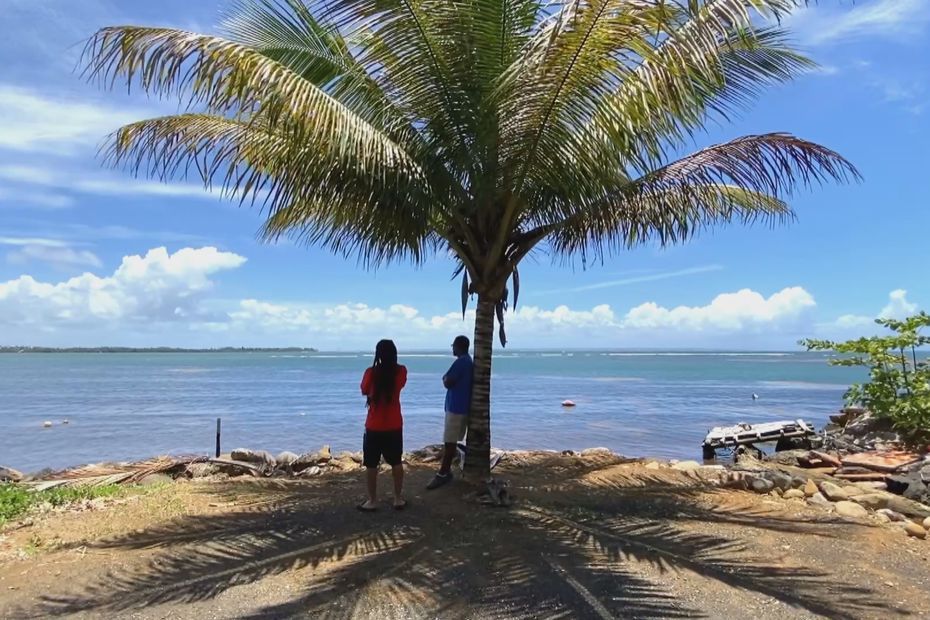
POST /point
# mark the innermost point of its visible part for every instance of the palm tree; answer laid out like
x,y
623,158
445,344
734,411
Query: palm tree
x,y
397,130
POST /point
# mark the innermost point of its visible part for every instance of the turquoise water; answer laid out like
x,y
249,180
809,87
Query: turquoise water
x,y
130,406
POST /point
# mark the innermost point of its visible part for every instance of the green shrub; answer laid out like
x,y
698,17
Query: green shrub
x,y
899,376
16,500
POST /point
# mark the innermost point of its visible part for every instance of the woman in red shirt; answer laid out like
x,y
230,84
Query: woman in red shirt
x,y
384,434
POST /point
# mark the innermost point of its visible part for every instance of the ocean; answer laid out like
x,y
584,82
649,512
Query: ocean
x,y
638,403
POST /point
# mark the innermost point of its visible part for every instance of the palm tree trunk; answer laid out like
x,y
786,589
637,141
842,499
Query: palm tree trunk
x,y
478,457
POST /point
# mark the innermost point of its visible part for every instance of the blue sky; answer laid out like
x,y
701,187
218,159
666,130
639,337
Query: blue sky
x,y
90,256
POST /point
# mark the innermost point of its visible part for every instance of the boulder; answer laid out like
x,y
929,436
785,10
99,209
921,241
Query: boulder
x,y
324,455
787,457
833,492
156,479
781,481
810,488
686,465
817,499
872,501
653,465
896,517
793,494
254,457
286,459
310,471
882,517
927,523
597,452
244,454
915,530
201,470
761,485
8,474
851,509
853,491
908,508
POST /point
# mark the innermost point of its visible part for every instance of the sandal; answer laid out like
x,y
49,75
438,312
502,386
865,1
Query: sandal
x,y
365,508
401,506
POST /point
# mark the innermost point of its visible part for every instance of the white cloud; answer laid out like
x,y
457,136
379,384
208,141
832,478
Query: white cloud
x,y
60,257
639,278
898,306
156,287
99,184
37,122
828,23
41,199
33,241
164,297
745,309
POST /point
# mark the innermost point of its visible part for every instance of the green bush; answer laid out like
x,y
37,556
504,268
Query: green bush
x,y
899,376
16,500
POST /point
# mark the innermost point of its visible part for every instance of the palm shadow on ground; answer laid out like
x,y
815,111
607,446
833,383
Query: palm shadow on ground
x,y
556,553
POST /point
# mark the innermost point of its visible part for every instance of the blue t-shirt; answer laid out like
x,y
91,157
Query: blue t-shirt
x,y
458,397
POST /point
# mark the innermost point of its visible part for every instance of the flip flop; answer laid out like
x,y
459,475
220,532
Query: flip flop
x,y
364,508
401,506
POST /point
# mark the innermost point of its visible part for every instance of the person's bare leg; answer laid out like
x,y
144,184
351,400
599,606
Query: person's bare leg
x,y
371,480
397,472
448,453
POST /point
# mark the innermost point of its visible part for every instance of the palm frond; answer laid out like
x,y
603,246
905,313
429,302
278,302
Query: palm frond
x,y
745,180
230,78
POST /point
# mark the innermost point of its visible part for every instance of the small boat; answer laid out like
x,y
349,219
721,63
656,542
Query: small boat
x,y
568,403
749,434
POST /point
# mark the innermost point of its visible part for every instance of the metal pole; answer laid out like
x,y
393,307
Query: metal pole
x,y
218,438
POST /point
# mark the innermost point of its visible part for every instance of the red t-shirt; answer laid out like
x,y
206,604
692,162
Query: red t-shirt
x,y
384,416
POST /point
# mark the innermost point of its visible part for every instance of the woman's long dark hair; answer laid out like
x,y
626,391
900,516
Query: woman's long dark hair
x,y
385,371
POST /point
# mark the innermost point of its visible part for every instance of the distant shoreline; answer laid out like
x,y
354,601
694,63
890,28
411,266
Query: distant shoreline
x,y
155,350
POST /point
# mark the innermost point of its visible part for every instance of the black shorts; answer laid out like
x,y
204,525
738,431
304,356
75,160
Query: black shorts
x,y
389,444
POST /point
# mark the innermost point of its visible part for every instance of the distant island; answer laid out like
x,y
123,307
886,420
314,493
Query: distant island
x,y
8,349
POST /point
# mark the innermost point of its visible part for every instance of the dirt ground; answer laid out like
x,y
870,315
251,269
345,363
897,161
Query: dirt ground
x,y
584,538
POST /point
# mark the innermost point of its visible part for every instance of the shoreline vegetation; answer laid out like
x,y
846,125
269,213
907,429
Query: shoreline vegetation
x,y
12,349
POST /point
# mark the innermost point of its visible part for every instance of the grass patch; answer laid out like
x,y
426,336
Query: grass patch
x,y
16,500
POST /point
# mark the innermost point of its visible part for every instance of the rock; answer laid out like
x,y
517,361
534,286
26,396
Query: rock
x,y
833,492
686,465
736,480
324,455
927,523
156,479
896,517
8,474
358,457
907,507
810,488
747,456
596,452
47,424
872,501
817,499
853,491
652,465
242,454
259,457
761,485
286,459
787,457
310,471
915,530
780,480
794,494
201,470
882,518
871,486
851,509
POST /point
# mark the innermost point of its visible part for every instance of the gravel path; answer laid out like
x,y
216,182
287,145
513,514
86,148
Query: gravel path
x,y
585,538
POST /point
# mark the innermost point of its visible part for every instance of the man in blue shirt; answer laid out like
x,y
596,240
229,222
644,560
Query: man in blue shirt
x,y
458,403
